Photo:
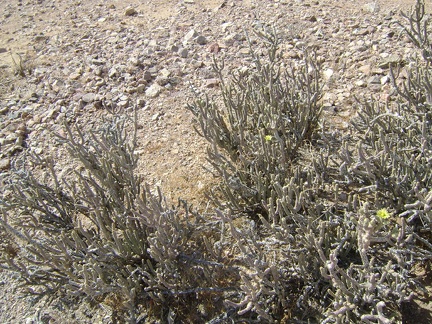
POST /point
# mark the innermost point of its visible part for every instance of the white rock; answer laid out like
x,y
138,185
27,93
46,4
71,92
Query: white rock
x,y
328,74
385,79
88,97
5,164
226,25
360,83
372,7
154,90
190,36
165,73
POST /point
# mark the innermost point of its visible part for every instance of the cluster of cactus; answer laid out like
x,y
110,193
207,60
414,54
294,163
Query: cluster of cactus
x,y
337,222
269,112
103,234
308,226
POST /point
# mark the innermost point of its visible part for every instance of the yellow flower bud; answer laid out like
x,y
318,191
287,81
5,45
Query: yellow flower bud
x,y
383,213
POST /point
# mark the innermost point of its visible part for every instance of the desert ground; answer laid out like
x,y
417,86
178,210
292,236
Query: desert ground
x,y
68,60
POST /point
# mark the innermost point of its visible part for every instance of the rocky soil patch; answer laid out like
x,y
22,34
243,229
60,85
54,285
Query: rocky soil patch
x,y
72,61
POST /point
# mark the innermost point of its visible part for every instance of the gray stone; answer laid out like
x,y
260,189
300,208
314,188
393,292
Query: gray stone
x,y
130,90
165,73
329,99
229,40
153,70
4,110
88,97
140,88
365,31
11,138
201,40
377,71
374,80
52,113
130,12
365,69
393,59
183,52
74,76
98,61
212,83
244,50
225,26
112,72
38,150
232,38
5,164
156,116
123,103
147,76
140,102
135,61
153,43
162,80
40,38
172,48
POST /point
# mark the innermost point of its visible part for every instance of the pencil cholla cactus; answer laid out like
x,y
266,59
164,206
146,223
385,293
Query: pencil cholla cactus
x,y
101,233
269,112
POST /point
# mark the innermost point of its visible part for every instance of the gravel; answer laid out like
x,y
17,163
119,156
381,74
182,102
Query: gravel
x,y
148,55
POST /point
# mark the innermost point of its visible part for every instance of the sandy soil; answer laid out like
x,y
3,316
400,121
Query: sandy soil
x,y
51,38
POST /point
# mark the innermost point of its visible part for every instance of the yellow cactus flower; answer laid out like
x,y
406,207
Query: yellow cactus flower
x,y
268,138
383,213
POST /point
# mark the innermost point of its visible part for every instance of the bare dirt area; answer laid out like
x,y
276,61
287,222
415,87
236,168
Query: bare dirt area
x,y
70,60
